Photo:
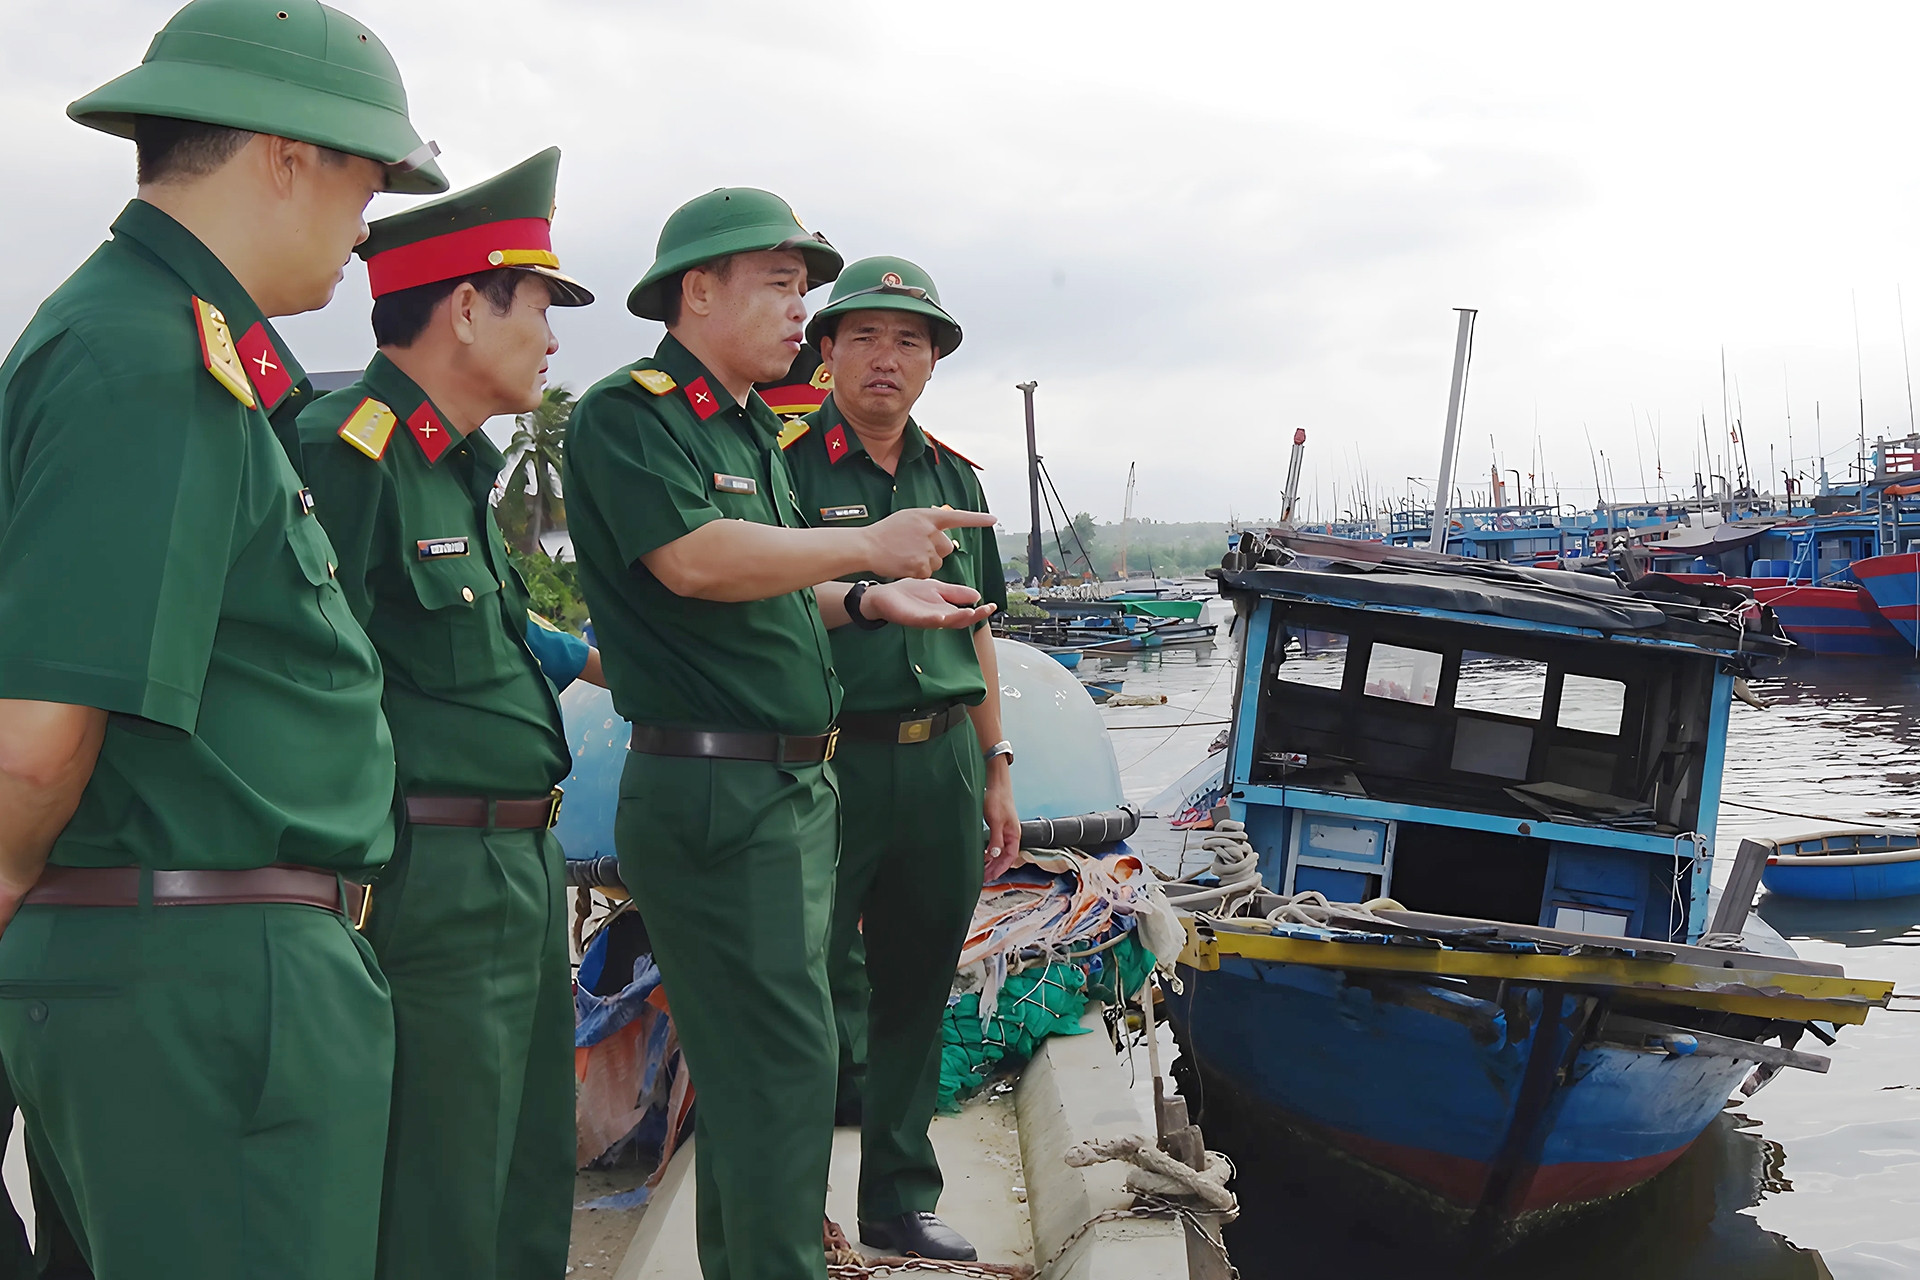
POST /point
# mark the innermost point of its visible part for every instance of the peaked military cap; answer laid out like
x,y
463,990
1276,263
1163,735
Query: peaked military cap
x,y
886,284
506,221
293,68
725,221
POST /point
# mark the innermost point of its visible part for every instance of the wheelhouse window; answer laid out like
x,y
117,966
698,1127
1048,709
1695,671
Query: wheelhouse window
x,y
1590,704
1501,686
1314,658
1404,675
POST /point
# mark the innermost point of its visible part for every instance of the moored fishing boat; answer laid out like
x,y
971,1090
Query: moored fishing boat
x,y
1838,620
1894,583
1481,966
1854,865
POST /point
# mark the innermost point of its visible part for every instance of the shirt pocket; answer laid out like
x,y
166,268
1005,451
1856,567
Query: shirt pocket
x,y
316,663
458,641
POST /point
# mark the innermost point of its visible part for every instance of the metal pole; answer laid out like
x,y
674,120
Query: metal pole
x,y
1035,560
1456,400
1292,492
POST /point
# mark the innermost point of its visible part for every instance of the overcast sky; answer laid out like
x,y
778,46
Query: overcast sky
x,y
1198,226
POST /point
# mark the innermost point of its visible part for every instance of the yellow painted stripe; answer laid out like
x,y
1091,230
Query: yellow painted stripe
x,y
1761,993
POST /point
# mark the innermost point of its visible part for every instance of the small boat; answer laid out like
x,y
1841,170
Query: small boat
x,y
1894,583
1066,655
1101,688
1471,972
1844,866
1837,620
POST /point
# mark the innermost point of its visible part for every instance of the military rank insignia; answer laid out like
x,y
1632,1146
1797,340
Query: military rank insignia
x,y
701,397
791,432
217,350
265,369
821,379
430,433
734,484
837,447
654,381
854,511
369,428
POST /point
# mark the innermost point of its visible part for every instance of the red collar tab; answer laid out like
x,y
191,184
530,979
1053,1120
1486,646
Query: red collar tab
x,y
837,447
700,396
429,432
517,242
265,369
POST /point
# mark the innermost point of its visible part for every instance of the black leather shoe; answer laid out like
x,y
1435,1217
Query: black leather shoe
x,y
917,1235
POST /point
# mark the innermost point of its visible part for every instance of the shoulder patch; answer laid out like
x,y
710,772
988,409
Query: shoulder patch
x,y
217,350
944,447
792,432
654,380
369,428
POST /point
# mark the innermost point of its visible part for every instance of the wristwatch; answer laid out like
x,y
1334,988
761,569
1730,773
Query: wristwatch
x,y
1000,748
854,615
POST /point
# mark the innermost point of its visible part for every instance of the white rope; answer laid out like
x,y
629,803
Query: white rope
x,y
1156,1173
1234,864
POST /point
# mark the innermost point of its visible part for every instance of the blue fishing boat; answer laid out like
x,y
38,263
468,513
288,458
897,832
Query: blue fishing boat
x,y
1473,972
1894,583
1844,866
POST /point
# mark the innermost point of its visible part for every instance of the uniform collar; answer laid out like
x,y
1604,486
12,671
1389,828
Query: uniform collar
x,y
843,442
271,368
693,381
388,383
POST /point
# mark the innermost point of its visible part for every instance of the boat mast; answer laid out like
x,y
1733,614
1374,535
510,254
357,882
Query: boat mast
x,y
1291,493
1456,401
1126,524
1035,561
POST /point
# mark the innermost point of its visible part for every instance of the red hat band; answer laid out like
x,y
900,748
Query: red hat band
x,y
518,242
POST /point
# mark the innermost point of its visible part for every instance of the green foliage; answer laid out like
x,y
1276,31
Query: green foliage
x,y
554,586
1020,605
531,503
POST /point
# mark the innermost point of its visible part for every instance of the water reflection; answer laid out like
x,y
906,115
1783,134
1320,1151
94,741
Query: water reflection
x,y
1689,1222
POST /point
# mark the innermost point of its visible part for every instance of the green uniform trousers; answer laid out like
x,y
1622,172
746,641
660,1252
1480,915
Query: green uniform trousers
x,y
912,843
470,928
206,1085
732,862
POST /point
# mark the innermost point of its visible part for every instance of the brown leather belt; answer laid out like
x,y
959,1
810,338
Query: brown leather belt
x,y
902,727
768,748
120,887
478,811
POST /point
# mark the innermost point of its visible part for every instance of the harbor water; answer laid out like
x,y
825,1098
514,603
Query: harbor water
x,y
1818,1175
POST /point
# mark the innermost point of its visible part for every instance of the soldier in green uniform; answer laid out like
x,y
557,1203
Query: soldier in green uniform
x,y
469,919
711,599
191,750
914,779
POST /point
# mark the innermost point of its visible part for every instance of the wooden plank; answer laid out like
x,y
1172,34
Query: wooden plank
x,y
1717,1046
1736,902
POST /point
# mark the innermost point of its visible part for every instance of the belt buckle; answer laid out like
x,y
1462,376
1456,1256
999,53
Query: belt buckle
x,y
833,741
912,731
553,807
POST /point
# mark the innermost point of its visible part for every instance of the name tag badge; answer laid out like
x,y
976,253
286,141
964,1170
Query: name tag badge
x,y
305,500
441,548
734,484
856,511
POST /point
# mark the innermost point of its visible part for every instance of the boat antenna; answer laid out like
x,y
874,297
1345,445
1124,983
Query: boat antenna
x,y
1036,559
1906,360
1859,367
1786,389
1599,494
1639,454
1126,526
1456,407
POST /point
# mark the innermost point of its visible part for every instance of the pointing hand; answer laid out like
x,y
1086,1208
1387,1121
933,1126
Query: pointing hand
x,y
912,543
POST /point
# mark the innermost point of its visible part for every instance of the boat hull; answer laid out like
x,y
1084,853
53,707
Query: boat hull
x,y
1835,621
1487,1109
1894,583
1845,882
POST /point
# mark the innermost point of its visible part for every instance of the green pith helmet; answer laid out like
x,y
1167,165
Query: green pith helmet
x,y
886,284
292,68
725,221
505,221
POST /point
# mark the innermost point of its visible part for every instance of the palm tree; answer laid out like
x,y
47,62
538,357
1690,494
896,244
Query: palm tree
x,y
534,455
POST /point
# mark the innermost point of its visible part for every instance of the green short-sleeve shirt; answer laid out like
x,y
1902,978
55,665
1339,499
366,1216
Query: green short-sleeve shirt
x,y
839,485
158,561
655,451
425,569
